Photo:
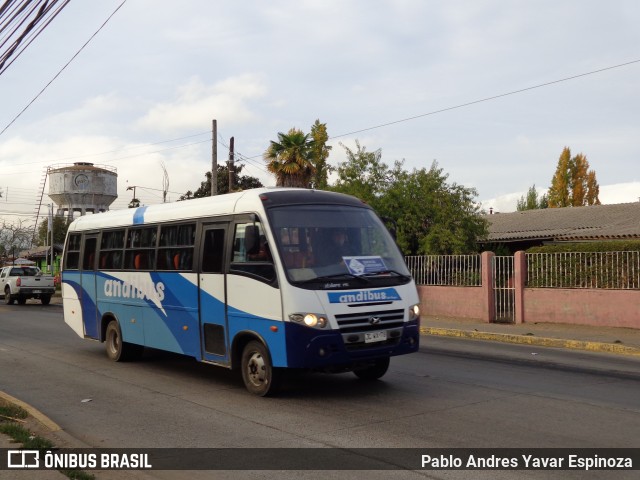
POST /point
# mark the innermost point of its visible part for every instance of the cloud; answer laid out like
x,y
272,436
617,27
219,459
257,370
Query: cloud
x,y
620,193
609,194
196,104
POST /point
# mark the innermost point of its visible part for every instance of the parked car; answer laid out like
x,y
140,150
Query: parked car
x,y
22,283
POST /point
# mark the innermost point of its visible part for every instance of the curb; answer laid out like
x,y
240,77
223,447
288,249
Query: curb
x,y
532,340
34,412
61,437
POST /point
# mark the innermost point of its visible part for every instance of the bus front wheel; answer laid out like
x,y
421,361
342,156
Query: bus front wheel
x,y
374,371
118,350
258,374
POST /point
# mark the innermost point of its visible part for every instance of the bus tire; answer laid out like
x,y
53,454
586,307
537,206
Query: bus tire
x,y
45,299
375,371
117,350
8,299
258,374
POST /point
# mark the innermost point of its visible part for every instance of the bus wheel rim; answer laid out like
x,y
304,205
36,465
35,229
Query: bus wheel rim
x,y
256,369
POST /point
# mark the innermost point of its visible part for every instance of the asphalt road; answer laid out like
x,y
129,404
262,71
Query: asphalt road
x,y
453,393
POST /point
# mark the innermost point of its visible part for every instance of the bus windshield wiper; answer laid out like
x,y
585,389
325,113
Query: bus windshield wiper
x,y
388,272
335,276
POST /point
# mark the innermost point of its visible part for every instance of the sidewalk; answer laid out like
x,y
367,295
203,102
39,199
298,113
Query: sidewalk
x,y
38,424
622,341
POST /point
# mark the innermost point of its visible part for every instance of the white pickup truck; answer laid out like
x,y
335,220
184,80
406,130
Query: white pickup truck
x,y
21,283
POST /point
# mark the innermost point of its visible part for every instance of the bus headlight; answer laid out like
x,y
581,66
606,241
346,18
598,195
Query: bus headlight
x,y
313,320
414,312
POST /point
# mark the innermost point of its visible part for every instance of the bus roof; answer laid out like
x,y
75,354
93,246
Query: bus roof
x,y
253,200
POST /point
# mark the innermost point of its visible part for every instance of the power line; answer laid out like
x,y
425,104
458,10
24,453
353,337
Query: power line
x,y
40,18
487,99
75,157
115,151
250,159
474,102
62,69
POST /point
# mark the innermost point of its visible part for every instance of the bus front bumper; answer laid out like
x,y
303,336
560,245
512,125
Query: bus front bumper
x,y
310,348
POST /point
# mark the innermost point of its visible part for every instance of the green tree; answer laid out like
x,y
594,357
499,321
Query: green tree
x,y
319,155
290,159
363,174
241,182
430,215
60,227
532,201
573,184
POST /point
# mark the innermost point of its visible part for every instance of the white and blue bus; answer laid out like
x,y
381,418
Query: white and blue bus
x,y
261,281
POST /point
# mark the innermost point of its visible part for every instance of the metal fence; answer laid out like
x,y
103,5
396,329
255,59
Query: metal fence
x,y
449,270
504,290
607,270
614,270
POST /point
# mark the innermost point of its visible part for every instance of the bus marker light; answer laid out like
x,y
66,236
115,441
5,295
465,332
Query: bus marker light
x,y
185,328
273,328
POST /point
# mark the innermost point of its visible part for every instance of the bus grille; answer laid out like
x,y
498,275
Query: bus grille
x,y
353,327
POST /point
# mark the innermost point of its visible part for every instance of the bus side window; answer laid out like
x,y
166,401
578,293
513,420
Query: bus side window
x,y
212,255
175,249
88,260
251,253
72,259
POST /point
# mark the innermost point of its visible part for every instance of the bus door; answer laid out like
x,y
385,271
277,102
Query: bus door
x,y
88,282
254,301
213,314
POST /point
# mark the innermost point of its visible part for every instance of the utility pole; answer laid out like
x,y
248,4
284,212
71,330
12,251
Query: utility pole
x,y
230,164
51,270
214,157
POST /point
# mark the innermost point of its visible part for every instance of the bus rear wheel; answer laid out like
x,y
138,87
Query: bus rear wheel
x,y
374,371
258,374
117,350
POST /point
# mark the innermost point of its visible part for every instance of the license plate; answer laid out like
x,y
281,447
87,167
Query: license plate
x,y
37,291
375,337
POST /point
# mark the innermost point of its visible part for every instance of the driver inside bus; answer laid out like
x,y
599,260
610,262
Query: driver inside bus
x,y
339,246
262,252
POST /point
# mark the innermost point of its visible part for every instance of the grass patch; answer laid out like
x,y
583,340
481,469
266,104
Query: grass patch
x,y
11,419
9,412
24,436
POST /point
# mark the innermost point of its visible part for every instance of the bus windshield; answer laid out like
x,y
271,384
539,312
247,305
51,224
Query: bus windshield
x,y
336,246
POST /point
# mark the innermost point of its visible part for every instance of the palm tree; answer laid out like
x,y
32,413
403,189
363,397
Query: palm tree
x,y
289,159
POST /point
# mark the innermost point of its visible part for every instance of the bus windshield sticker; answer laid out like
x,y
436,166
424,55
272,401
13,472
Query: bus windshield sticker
x,y
364,265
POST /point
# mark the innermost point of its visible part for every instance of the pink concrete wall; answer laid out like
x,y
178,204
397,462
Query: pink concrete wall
x,y
464,302
598,307
606,308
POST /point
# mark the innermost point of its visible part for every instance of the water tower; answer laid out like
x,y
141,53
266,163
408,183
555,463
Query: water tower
x,y
82,187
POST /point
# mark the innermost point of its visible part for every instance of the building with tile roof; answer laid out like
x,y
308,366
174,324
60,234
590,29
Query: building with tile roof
x,y
521,230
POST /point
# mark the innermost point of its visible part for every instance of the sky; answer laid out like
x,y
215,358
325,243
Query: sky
x,y
408,77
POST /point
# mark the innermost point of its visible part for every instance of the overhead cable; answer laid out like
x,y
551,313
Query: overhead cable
x,y
62,69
